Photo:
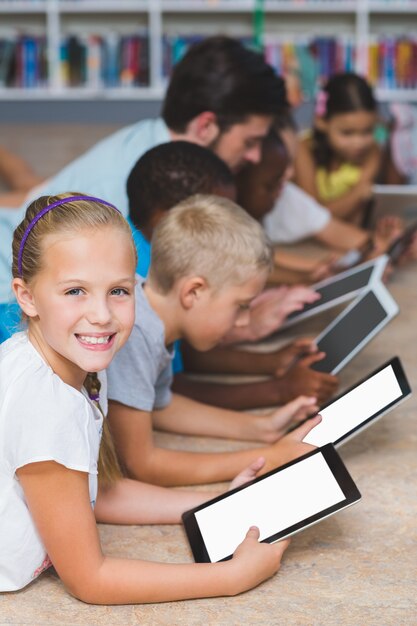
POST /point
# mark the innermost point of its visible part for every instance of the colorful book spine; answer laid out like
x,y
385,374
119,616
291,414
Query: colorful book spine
x,y
392,62
109,60
23,62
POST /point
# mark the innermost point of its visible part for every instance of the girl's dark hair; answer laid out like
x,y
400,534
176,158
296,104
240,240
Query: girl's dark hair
x,y
221,75
343,93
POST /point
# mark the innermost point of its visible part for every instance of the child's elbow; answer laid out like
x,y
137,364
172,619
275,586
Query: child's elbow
x,y
145,469
89,593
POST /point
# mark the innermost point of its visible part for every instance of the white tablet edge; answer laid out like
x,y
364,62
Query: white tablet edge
x,y
397,190
386,301
317,521
372,421
378,263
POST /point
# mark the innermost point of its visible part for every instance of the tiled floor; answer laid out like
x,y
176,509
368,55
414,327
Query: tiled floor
x,y
358,568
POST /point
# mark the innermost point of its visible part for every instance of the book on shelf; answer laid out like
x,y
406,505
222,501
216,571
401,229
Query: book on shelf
x,y
104,61
23,62
393,62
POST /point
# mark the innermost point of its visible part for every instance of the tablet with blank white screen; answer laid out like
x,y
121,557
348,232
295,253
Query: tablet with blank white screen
x,y
354,327
344,286
361,405
281,503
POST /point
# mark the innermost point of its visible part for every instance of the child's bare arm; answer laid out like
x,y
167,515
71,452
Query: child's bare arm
x,y
17,172
341,235
12,199
353,202
283,387
187,417
132,432
224,360
58,499
235,396
133,502
294,268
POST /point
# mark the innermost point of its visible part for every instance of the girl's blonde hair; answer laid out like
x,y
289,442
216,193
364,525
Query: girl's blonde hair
x,y
69,217
211,237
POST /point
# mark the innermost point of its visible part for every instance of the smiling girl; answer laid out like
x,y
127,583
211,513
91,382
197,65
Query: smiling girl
x,y
73,277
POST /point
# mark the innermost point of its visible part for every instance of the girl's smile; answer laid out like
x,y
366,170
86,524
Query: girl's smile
x,y
96,342
81,302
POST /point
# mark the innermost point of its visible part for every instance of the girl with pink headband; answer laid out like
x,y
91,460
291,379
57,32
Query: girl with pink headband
x,y
74,276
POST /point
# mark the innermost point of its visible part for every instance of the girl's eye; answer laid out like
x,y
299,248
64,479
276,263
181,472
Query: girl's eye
x,y
244,306
119,291
74,292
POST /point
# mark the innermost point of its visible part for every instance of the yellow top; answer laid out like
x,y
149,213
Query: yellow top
x,y
333,185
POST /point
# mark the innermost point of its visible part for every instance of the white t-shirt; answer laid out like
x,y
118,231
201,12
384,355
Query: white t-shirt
x,y
295,216
41,419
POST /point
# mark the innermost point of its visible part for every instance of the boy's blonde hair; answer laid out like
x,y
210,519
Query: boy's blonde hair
x,y
211,237
73,216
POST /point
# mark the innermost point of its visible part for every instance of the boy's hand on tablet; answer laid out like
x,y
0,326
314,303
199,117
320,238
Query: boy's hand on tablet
x,y
300,379
248,474
253,561
276,424
269,310
291,446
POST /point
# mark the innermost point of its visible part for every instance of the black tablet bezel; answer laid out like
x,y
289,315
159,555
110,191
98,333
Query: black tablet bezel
x,y
405,390
376,267
385,300
399,246
336,465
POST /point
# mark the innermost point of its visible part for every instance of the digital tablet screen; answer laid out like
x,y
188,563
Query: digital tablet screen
x,y
280,503
337,289
344,337
361,405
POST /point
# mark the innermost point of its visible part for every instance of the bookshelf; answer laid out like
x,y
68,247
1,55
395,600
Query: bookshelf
x,y
59,47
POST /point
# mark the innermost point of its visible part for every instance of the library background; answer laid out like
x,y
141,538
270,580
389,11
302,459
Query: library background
x,y
79,54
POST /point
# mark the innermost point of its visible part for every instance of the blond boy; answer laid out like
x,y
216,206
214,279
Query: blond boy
x,y
210,259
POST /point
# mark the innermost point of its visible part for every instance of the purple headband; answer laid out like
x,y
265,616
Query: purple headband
x,y
46,210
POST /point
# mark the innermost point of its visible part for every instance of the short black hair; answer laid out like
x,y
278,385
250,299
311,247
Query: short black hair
x,y
170,173
221,75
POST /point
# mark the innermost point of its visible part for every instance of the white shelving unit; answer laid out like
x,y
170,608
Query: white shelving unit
x,y
361,20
